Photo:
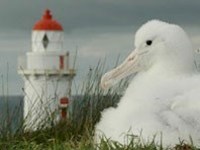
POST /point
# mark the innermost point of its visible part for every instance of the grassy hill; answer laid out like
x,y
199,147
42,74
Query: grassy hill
x,y
77,131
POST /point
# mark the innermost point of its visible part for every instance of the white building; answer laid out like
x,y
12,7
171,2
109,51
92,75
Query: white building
x,y
46,73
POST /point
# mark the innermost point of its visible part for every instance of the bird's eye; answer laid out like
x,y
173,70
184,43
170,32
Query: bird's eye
x,y
148,42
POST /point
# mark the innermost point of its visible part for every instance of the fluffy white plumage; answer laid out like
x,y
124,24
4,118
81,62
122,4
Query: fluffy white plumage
x,y
164,96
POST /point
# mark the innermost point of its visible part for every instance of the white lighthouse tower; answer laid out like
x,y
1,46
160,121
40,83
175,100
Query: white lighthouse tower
x,y
46,73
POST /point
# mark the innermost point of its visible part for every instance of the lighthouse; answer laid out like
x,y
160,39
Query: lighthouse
x,y
47,74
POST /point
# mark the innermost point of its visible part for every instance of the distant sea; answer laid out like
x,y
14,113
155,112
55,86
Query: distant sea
x,y
11,112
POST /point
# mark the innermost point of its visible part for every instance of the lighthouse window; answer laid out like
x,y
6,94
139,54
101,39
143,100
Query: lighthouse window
x,y
45,41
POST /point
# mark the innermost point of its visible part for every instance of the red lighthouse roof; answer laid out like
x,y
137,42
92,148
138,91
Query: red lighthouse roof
x,y
47,23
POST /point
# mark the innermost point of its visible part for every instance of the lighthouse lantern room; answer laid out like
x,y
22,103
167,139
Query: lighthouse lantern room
x,y
47,73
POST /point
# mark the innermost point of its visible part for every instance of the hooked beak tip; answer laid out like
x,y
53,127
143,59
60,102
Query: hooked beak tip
x,y
104,85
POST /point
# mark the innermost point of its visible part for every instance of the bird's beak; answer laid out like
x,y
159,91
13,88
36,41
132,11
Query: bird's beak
x,y
129,66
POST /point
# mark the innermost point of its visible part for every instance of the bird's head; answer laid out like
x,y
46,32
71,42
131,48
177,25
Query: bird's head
x,y
158,44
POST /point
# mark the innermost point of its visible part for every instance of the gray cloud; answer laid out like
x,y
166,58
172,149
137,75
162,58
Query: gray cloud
x,y
22,14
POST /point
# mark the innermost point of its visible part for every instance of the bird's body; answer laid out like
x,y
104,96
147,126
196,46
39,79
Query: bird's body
x,y
164,96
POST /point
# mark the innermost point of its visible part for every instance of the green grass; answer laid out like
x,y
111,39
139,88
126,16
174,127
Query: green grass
x,y
77,131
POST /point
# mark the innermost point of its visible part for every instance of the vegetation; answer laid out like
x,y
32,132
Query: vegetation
x,y
77,131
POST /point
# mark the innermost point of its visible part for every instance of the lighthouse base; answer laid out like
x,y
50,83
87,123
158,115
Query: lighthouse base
x,y
42,98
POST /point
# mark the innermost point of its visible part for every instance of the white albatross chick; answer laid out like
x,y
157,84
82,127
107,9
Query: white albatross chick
x,y
163,99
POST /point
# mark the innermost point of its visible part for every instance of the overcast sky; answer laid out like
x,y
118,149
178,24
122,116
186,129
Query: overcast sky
x,y
98,28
